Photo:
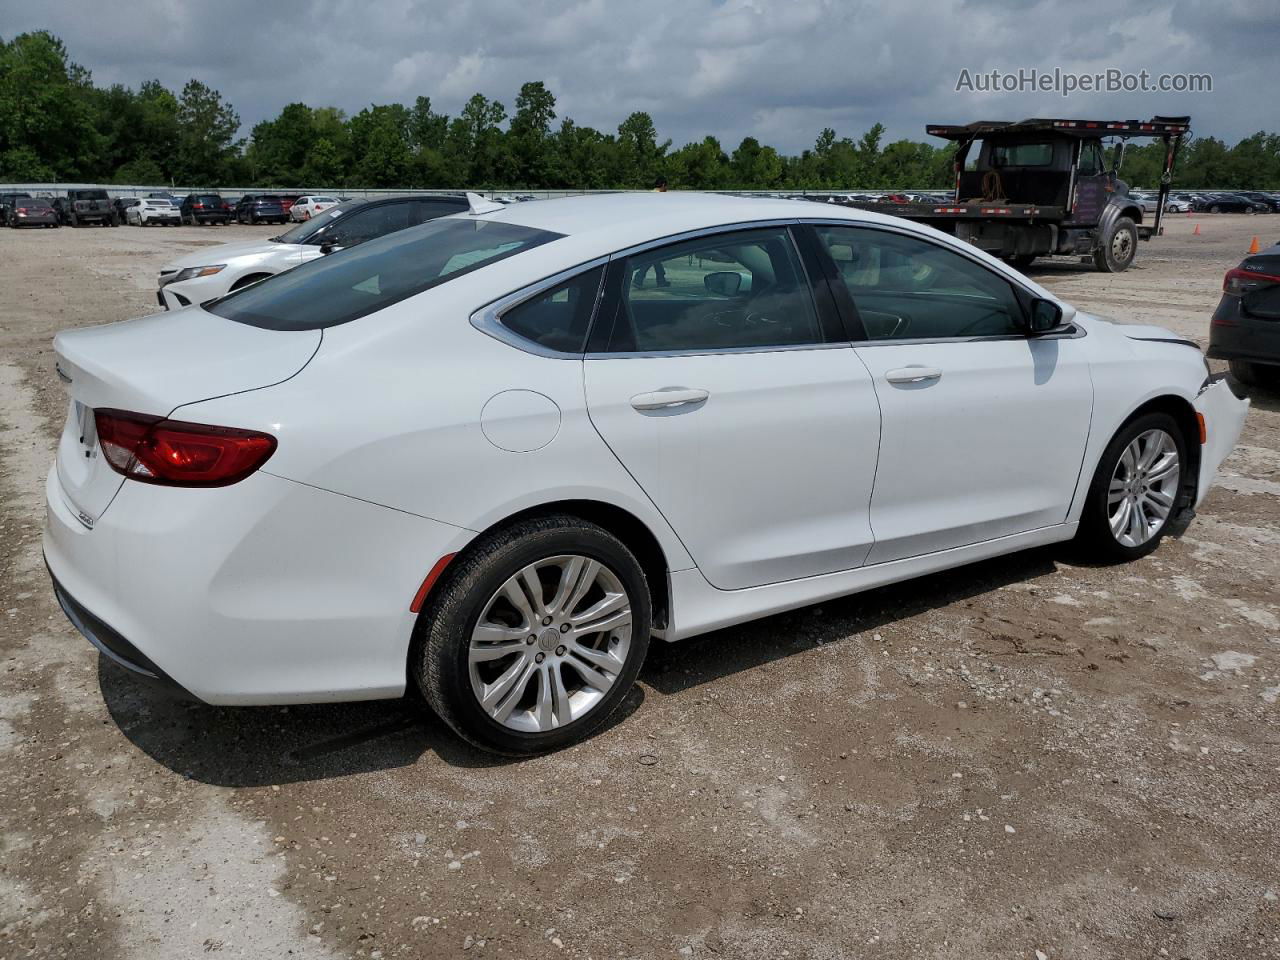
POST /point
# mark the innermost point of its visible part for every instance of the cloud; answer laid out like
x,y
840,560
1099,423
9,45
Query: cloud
x,y
732,68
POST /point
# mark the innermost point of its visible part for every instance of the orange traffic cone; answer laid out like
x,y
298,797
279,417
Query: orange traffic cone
x,y
1196,231
1253,247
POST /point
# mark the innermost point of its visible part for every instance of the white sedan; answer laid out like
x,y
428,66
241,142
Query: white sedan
x,y
211,272
150,210
304,208
492,455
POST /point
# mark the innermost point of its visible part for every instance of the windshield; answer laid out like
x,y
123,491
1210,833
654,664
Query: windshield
x,y
309,231
378,273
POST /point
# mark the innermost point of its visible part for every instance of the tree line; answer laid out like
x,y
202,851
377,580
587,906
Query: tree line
x,y
57,125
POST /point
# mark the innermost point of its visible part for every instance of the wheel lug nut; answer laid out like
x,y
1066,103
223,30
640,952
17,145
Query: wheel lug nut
x,y
539,658
546,621
560,650
565,627
532,640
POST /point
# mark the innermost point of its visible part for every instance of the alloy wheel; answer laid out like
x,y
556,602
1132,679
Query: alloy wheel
x,y
550,643
1143,488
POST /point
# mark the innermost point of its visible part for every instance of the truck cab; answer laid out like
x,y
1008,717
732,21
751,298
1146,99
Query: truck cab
x,y
1044,187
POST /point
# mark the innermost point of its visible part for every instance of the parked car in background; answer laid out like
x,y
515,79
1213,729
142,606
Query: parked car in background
x,y
1148,203
33,212
201,208
1174,205
121,205
7,201
1262,199
287,200
214,271
153,210
1245,329
260,209
1228,203
304,208
478,459
87,206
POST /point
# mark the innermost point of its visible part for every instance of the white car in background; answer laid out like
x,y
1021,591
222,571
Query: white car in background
x,y
304,208
1149,203
212,272
1173,205
492,455
150,211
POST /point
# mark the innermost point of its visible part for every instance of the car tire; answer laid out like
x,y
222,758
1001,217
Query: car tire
x,y
1215,209
1117,251
1104,532
1253,374
452,668
1021,261
75,221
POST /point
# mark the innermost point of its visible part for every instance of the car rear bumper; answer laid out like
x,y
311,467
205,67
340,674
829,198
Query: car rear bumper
x,y
267,591
1224,415
1239,336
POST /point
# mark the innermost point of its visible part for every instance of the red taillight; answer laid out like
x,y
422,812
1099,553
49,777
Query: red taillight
x,y
198,206
22,209
1238,281
178,454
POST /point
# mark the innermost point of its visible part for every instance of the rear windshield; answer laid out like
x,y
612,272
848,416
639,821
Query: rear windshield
x,y
354,283
153,202
89,194
206,198
1021,154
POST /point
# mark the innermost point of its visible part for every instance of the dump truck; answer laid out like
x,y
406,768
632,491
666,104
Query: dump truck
x,y
1043,187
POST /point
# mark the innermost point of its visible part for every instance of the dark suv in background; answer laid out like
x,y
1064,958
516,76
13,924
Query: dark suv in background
x,y
86,206
260,209
200,208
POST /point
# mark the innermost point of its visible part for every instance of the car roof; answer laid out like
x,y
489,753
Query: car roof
x,y
625,219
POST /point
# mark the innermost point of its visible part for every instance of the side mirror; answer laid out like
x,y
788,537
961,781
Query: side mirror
x,y
1045,316
331,245
726,283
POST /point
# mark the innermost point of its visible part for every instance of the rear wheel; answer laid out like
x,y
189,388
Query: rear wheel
x,y
534,636
1118,249
1021,261
1215,209
1254,374
1135,489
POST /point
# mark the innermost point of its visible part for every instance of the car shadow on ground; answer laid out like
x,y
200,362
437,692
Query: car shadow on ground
x,y
672,668
261,746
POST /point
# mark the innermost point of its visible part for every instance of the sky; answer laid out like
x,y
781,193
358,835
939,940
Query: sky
x,y
779,71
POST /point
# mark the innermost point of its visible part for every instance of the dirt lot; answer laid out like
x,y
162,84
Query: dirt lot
x,y
1019,758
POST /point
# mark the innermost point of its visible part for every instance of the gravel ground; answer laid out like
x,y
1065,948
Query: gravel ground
x,y
1023,758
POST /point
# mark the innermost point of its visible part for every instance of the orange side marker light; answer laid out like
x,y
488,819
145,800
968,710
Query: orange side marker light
x,y
1204,432
420,597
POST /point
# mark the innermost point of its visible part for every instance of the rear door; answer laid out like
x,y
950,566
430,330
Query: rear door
x,y
984,428
719,378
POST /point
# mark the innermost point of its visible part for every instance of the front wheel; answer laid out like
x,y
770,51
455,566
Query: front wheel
x,y
1118,249
1135,489
534,636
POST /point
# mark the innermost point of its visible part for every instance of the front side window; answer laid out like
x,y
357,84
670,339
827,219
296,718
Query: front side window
x,y
1090,158
367,224
910,289
557,318
727,291
332,290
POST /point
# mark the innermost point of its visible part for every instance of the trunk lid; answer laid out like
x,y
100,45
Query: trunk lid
x,y
153,365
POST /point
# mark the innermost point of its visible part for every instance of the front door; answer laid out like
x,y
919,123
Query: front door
x,y
719,383
984,429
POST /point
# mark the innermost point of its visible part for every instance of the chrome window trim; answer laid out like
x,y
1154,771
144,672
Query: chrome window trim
x,y
1076,332
706,352
488,319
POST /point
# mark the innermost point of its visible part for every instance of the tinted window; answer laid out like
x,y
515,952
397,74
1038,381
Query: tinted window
x,y
421,211
743,289
354,283
356,228
311,231
558,318
1090,159
909,289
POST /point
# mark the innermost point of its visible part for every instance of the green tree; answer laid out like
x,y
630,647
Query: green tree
x,y
639,154
206,134
755,167
380,146
46,118
529,132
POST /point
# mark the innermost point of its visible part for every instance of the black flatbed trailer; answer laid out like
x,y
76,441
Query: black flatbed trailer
x,y
1040,188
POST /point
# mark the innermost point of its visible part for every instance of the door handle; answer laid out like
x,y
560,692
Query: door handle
x,y
668,397
913,374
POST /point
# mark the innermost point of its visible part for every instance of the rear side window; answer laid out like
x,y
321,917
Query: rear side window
x,y
1021,154
557,318
723,292
355,283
